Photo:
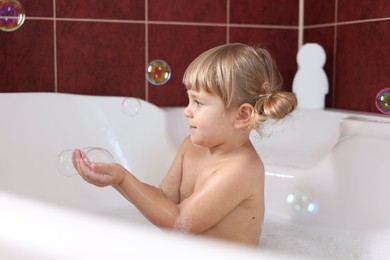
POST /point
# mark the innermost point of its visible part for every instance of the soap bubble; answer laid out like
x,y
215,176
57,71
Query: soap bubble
x,y
158,72
382,101
12,15
302,203
94,154
64,163
98,154
131,106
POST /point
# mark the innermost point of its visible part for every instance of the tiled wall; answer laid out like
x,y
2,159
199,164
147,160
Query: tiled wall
x,y
356,38
101,47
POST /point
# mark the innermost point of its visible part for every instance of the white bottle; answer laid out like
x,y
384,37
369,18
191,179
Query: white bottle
x,y
310,83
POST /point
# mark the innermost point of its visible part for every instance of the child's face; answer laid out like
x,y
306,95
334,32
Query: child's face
x,y
209,121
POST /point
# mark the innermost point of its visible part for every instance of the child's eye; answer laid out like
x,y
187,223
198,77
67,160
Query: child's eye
x,y
198,103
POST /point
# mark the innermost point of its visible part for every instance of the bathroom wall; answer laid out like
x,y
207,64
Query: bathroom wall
x,y
356,37
101,47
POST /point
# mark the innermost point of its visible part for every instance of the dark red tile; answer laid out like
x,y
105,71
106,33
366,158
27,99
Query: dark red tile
x,y
38,8
101,9
101,58
325,37
349,10
319,12
184,11
27,58
362,64
178,46
275,12
281,43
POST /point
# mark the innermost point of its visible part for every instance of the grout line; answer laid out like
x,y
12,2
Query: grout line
x,y
264,26
362,21
228,21
55,47
333,99
40,18
301,24
336,23
187,23
167,23
146,48
323,25
269,26
222,24
85,20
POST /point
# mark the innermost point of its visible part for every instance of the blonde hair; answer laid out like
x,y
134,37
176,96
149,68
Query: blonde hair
x,y
240,74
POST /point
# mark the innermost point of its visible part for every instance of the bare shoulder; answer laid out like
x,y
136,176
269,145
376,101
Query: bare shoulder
x,y
247,163
188,148
185,146
246,170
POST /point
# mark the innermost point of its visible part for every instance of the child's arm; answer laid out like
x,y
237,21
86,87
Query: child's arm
x,y
210,203
150,201
164,199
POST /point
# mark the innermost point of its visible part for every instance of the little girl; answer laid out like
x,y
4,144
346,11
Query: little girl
x,y
215,185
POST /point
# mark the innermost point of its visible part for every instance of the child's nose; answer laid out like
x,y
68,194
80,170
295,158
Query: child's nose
x,y
187,112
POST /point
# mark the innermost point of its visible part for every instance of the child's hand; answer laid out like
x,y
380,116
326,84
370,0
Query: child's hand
x,y
98,173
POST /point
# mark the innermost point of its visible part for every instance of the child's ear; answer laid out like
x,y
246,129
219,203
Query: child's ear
x,y
243,116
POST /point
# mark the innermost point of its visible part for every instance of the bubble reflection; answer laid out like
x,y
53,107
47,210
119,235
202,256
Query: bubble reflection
x,y
302,203
382,101
12,15
158,72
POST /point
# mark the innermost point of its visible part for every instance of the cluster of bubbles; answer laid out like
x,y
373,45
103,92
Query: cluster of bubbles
x,y
302,203
382,101
158,72
12,15
94,154
131,106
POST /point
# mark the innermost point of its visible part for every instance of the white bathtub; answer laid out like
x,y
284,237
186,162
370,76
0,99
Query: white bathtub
x,y
337,161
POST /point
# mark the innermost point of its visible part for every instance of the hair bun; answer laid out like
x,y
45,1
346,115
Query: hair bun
x,y
279,104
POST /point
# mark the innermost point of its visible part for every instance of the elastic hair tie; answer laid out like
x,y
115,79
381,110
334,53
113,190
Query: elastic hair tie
x,y
266,96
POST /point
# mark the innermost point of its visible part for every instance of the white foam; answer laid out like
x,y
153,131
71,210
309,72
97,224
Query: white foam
x,y
306,241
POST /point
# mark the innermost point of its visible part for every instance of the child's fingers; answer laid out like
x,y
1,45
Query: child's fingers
x,y
76,155
100,167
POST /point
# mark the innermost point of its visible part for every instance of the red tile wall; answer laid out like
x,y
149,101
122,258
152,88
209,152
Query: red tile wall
x,y
101,47
356,37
